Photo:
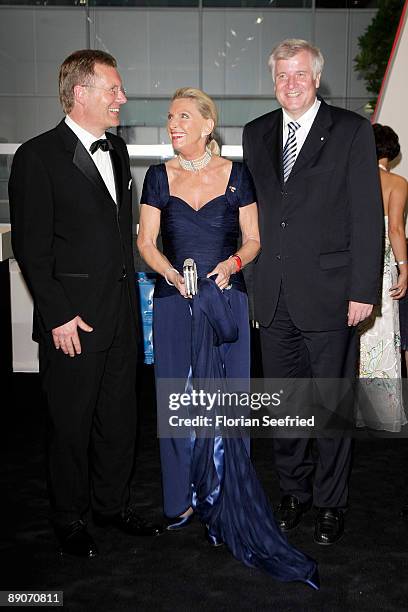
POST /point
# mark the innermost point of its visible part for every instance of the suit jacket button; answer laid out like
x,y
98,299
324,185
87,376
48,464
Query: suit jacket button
x,y
283,224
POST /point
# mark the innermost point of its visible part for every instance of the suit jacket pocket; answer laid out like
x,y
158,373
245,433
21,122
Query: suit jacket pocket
x,y
337,259
71,275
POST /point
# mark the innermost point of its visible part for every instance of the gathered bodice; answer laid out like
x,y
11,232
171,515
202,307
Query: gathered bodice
x,y
208,235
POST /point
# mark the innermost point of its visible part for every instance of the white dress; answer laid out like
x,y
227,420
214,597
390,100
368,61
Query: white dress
x,y
380,404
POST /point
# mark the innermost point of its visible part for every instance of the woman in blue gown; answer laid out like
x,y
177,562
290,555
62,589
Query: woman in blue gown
x,y
201,202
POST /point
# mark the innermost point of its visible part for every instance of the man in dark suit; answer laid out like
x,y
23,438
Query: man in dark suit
x,y
70,202
318,275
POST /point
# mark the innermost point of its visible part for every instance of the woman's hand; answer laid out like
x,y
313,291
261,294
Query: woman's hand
x,y
223,270
178,281
399,290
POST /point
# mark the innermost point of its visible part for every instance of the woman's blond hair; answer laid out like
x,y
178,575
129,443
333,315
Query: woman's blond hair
x,y
207,110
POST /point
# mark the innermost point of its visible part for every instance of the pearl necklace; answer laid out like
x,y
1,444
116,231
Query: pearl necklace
x,y
194,165
383,167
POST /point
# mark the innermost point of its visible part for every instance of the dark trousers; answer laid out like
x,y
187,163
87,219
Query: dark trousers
x,y
288,352
92,423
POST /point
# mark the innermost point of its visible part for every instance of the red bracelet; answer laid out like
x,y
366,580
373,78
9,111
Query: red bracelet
x,y
238,261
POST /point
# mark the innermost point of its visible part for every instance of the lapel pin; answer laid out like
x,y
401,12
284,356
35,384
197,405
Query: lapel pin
x,y
321,137
232,188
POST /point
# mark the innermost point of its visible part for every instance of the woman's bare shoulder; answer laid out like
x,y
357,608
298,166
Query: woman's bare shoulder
x,y
172,164
172,168
398,182
222,161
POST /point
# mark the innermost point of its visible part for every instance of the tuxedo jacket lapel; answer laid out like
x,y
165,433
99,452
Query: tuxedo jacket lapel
x,y
117,173
86,165
83,161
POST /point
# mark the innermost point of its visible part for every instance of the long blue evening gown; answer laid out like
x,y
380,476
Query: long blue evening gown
x,y
215,476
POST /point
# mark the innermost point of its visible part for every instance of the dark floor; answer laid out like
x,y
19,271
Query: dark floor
x,y
366,571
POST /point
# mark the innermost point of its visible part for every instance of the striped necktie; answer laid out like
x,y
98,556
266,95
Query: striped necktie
x,y
289,151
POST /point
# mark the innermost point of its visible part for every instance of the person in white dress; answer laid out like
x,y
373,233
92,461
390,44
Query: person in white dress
x,y
381,406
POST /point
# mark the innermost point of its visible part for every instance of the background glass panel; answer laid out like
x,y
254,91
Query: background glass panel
x,y
33,43
93,3
23,117
145,3
157,51
349,4
236,46
258,3
330,4
152,113
17,43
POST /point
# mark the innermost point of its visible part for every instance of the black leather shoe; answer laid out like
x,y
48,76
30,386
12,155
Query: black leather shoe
x,y
75,540
329,526
290,511
129,522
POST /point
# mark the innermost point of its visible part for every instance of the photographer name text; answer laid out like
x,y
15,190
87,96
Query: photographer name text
x,y
224,421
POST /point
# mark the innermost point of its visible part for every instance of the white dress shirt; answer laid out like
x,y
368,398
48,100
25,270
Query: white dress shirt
x,y
101,158
305,122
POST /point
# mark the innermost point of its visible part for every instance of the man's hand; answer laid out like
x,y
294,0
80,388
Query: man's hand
x,y
66,336
357,312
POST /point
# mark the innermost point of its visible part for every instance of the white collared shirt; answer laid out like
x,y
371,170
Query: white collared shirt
x,y
101,158
305,121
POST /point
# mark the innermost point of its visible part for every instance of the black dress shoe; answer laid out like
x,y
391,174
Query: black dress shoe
x,y
329,526
290,511
75,540
129,522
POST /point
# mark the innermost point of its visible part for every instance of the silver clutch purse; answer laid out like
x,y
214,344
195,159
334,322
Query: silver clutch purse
x,y
190,276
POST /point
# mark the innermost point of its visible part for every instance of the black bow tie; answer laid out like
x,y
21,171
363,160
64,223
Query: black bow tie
x,y
102,143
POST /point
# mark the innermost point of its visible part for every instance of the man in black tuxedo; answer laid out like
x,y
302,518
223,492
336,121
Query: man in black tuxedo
x,y
70,201
318,275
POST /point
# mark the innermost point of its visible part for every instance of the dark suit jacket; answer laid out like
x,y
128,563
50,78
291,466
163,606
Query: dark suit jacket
x,y
322,231
70,239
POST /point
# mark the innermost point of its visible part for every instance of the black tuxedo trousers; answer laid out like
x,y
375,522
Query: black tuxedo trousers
x,y
92,422
311,469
